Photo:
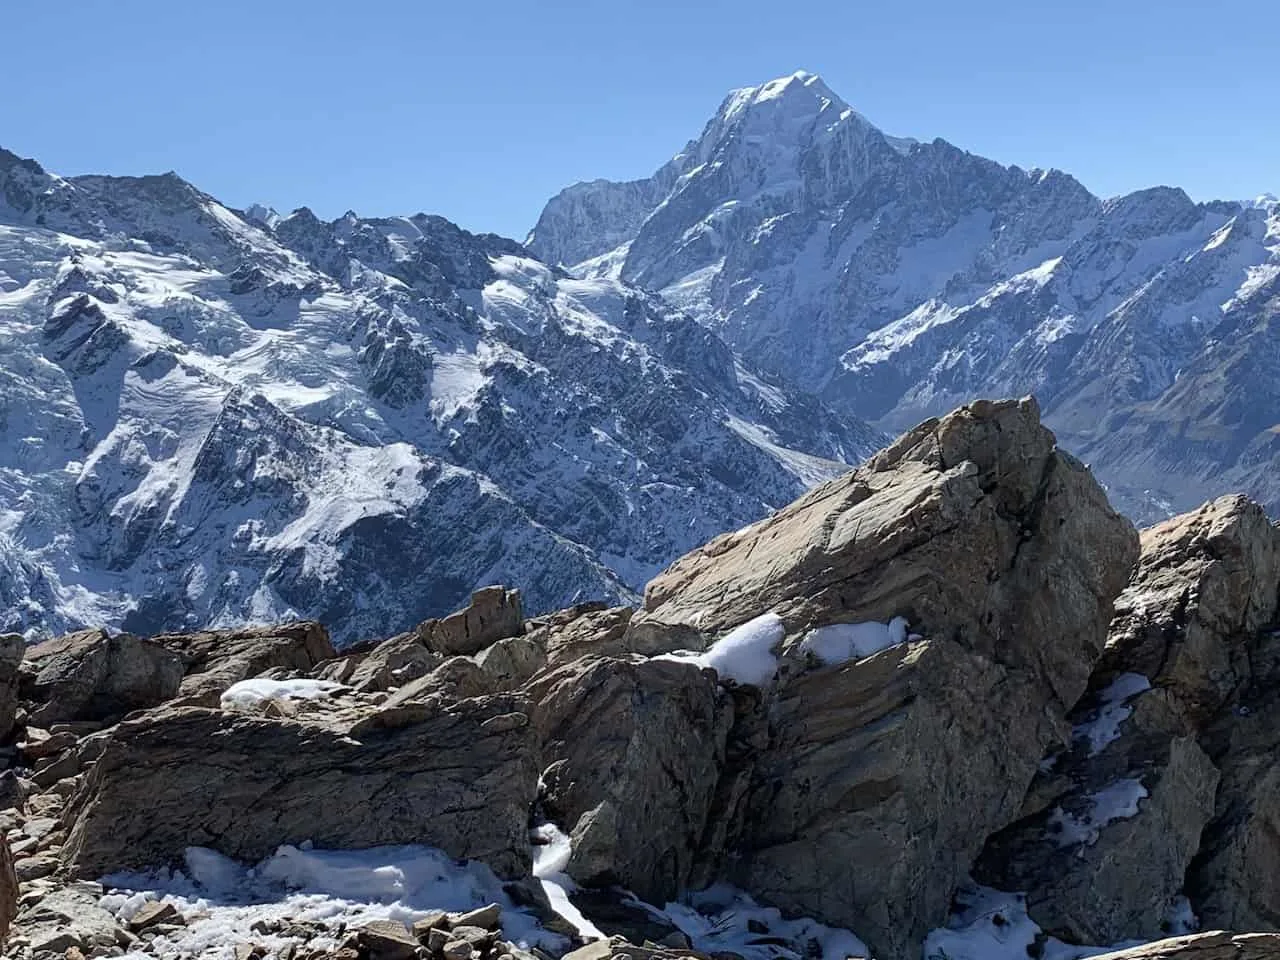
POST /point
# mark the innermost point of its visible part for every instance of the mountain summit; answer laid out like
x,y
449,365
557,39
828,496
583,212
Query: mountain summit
x,y
899,278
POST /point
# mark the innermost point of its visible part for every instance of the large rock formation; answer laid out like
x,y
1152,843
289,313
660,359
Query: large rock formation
x,y
12,647
1177,733
214,659
882,777
460,777
1028,729
638,750
92,675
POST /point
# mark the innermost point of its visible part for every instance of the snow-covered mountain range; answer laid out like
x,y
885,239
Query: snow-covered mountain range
x,y
899,278
209,416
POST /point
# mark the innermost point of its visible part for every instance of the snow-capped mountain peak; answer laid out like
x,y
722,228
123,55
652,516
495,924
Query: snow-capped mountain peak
x,y
902,278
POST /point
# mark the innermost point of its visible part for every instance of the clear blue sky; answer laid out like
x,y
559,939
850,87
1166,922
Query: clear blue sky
x,y
481,110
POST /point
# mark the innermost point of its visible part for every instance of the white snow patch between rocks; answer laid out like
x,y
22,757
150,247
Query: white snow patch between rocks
x,y
842,642
1116,801
1113,711
250,694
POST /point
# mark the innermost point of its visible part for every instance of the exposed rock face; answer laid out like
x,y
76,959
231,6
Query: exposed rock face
x,y
1031,731
92,675
461,778
12,647
493,614
215,659
883,777
638,747
1187,662
8,890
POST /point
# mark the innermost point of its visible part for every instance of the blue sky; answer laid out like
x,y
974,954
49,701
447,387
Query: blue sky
x,y
480,111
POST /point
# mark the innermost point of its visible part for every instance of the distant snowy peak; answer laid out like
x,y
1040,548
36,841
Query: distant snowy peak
x,y
755,142
901,278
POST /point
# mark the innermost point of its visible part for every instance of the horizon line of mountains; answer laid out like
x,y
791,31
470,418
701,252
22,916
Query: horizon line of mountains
x,y
209,415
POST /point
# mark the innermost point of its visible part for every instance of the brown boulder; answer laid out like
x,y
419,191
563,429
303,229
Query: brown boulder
x,y
92,675
459,776
493,614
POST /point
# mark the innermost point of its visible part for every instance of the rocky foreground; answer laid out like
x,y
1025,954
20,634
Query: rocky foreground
x,y
953,672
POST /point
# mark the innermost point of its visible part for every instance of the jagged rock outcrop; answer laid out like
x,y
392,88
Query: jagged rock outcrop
x,y
882,777
1167,743
12,648
1214,945
215,659
8,890
638,749
93,675
1033,727
461,777
494,613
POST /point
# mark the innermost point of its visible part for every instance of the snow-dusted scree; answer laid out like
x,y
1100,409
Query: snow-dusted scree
x,y
222,899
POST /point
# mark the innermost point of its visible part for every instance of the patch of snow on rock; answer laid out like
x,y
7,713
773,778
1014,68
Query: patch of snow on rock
x,y
222,900
744,655
1112,711
1117,801
841,642
993,925
249,694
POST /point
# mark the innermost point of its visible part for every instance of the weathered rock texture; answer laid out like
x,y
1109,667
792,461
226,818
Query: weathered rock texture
x,y
639,748
863,793
1214,945
461,778
215,659
883,777
12,647
92,675
1194,623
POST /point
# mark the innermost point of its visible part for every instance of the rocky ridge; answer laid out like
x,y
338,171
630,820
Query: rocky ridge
x,y
951,702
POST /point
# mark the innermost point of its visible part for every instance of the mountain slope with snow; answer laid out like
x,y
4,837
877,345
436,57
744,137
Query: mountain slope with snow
x,y
901,278
209,417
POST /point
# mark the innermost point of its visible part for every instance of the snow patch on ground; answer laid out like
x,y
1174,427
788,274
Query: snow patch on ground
x,y
221,899
718,919
993,925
